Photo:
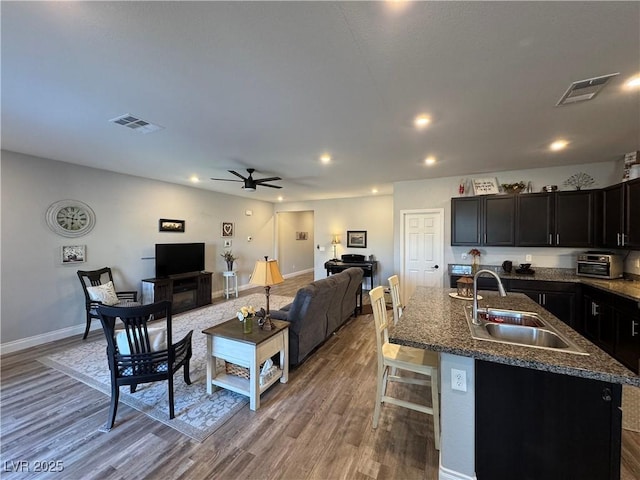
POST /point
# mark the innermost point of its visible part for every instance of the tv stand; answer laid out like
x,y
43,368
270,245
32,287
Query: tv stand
x,y
185,291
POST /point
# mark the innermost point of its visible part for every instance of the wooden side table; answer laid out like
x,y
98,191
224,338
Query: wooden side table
x,y
228,342
230,277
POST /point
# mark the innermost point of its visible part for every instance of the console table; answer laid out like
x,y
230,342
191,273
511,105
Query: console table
x,y
185,291
369,268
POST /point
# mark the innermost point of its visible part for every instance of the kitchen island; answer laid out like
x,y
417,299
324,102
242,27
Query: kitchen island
x,y
435,321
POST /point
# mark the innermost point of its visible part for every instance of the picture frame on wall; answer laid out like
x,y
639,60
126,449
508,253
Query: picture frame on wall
x,y
167,225
227,229
71,254
302,235
356,238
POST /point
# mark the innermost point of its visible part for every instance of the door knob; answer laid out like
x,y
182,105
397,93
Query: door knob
x,y
436,267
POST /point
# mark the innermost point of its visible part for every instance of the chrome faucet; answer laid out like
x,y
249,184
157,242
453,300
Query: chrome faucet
x,y
475,320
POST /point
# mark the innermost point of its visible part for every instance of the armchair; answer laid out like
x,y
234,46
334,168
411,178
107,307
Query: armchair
x,y
98,289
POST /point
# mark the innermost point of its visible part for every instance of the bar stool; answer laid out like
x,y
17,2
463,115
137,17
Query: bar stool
x,y
230,283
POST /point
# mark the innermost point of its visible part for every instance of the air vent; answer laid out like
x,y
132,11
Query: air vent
x,y
134,123
583,90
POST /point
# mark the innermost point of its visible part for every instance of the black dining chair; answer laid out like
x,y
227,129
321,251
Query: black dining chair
x,y
140,353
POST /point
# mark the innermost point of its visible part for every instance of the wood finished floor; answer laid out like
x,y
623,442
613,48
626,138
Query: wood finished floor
x,y
318,426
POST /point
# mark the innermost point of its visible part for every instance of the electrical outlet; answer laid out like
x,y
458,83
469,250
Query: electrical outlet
x,y
458,380
527,258
463,256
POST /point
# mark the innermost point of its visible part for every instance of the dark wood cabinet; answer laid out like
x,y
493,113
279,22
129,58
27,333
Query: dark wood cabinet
x,y
534,220
185,291
533,425
612,322
559,298
621,214
575,218
487,220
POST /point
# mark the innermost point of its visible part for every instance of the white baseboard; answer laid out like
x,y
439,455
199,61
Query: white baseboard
x,y
23,343
447,474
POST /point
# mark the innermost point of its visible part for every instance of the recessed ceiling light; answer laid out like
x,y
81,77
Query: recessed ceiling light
x,y
430,160
422,121
374,190
194,179
280,198
558,145
325,158
633,82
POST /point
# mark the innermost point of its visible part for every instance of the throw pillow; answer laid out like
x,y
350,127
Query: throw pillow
x,y
104,293
157,340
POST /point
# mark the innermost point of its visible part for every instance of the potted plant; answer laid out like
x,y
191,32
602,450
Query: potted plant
x,y
229,258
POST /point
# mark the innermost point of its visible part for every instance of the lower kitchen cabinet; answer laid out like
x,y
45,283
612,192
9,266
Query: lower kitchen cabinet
x,y
557,297
533,425
613,324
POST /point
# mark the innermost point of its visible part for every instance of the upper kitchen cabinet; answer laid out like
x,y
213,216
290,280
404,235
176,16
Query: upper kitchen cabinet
x,y
621,211
534,220
575,218
487,220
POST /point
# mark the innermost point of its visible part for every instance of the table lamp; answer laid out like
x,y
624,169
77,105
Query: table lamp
x,y
266,273
335,242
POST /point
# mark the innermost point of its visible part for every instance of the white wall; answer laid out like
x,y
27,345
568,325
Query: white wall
x,y
41,296
373,214
437,193
294,255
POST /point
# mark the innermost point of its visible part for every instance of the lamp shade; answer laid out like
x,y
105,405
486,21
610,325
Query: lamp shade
x,y
336,240
266,273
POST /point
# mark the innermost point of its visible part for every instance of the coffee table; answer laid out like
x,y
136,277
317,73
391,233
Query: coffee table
x,y
228,342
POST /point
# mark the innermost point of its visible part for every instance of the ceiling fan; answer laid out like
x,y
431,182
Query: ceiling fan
x,y
250,183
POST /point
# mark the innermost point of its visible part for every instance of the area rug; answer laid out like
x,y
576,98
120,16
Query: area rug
x,y
197,414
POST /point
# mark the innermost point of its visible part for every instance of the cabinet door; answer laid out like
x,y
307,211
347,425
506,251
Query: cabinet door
x,y
632,214
627,349
612,206
204,289
499,220
534,220
562,305
574,214
465,220
533,425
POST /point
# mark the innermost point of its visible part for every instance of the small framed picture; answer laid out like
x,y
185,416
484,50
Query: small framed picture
x,y
227,229
302,235
485,186
166,225
73,254
356,238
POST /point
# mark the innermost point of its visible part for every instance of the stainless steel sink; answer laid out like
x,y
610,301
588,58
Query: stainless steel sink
x,y
518,328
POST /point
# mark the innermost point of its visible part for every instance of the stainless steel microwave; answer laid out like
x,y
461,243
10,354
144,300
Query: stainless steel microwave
x,y
600,265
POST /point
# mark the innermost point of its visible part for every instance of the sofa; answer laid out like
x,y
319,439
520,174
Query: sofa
x,y
318,310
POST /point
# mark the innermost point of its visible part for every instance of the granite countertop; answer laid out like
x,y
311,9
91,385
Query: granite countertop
x,y
626,287
435,321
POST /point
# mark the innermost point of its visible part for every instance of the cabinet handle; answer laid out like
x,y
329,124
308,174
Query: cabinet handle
x,y
596,309
485,238
557,239
634,332
623,242
618,242
550,239
544,299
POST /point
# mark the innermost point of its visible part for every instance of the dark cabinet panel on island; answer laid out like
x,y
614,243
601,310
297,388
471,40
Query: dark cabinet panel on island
x,y
559,298
532,424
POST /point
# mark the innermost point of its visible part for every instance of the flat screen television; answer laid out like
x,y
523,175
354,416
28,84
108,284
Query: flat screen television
x,y
176,258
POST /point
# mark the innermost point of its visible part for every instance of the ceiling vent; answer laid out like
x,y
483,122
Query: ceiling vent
x,y
583,90
134,123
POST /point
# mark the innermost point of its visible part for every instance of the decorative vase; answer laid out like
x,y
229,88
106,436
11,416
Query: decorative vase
x,y
247,325
230,265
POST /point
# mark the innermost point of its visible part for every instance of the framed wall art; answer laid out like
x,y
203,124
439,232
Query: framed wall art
x,y
485,186
302,235
227,229
73,254
356,238
166,225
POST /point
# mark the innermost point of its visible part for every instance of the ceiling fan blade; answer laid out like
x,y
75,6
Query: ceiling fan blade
x,y
237,174
270,179
227,179
270,186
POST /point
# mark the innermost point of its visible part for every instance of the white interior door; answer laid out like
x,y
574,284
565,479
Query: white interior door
x,y
423,249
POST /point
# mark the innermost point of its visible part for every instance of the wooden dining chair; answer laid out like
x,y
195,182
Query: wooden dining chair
x,y
394,287
398,358
140,353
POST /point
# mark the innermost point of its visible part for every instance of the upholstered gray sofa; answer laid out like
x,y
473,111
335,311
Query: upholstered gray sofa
x,y
318,310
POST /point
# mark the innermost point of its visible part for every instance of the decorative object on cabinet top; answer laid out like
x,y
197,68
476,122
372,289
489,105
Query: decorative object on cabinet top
x,y
513,187
579,180
485,186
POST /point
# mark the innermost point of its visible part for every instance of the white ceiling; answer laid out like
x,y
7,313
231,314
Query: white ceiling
x,y
273,85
